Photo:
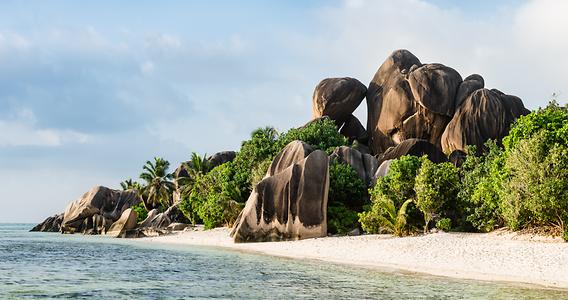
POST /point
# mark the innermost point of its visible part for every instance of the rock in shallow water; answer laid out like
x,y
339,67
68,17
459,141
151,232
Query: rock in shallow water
x,y
51,224
96,210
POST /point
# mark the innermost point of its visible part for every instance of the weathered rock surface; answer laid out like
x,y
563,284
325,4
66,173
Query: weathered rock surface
x,y
51,224
382,170
407,99
415,147
485,114
220,158
337,98
293,153
157,220
126,222
96,210
366,165
290,204
354,130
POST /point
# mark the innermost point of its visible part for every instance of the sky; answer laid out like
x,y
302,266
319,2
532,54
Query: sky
x,y
90,90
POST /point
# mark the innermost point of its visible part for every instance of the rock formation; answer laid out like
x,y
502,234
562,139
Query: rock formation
x,y
126,222
407,99
51,224
337,98
366,165
415,147
483,115
290,203
220,158
96,210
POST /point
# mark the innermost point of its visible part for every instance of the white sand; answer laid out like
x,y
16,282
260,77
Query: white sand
x,y
496,256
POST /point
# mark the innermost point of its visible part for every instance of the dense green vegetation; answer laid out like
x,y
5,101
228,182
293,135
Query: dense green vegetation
x,y
522,185
216,197
347,194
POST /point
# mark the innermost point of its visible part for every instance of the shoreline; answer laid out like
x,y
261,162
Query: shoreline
x,y
501,256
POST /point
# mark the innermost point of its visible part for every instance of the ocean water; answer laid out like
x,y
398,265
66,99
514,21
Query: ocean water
x,y
51,265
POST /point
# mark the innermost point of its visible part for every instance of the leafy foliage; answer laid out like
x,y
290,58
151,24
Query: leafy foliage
x,y
141,211
436,185
537,191
209,202
444,224
321,134
345,198
481,187
383,216
159,186
391,197
552,121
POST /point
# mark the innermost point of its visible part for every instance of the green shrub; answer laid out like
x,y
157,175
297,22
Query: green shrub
x,y
435,186
341,219
321,134
140,211
346,197
537,192
260,171
261,147
383,216
444,224
481,185
209,202
390,209
551,120
345,186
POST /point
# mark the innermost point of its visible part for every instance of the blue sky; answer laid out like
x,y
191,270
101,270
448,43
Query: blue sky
x,y
90,90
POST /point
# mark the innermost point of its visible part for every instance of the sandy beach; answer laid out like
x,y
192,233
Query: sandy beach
x,y
500,256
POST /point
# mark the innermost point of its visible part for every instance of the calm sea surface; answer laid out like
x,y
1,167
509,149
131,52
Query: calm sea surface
x,y
51,265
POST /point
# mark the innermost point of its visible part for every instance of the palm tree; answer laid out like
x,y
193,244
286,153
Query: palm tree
x,y
159,185
130,185
195,167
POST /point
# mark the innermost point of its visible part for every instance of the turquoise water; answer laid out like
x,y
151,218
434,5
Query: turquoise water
x,y
51,265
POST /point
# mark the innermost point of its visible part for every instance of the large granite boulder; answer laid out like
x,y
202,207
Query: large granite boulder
x,y
407,99
51,224
290,203
293,153
483,115
354,130
126,222
337,98
157,220
364,164
414,147
220,158
96,210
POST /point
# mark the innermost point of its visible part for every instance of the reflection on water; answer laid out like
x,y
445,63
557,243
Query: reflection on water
x,y
36,265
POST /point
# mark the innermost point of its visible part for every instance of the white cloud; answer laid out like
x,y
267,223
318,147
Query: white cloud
x,y
22,131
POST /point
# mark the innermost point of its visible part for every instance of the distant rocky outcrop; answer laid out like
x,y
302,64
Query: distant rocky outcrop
x,y
290,203
96,210
51,224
